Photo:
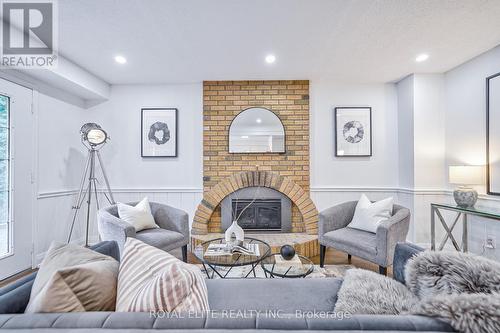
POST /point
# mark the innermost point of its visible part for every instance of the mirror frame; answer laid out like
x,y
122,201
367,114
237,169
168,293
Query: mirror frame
x,y
488,175
246,109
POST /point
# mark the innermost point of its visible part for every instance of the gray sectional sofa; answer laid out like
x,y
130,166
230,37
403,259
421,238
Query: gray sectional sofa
x,y
263,305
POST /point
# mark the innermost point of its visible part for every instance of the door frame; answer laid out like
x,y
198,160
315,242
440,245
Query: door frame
x,y
34,156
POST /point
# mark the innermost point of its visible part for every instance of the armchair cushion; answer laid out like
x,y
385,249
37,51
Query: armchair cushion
x,y
356,242
161,238
173,224
139,216
335,217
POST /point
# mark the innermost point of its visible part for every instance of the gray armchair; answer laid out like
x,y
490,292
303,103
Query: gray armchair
x,y
375,247
173,232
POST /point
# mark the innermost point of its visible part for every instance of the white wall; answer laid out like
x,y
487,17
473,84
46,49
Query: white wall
x,y
466,110
465,95
335,179
61,156
380,170
60,162
121,118
429,131
421,131
406,149
176,181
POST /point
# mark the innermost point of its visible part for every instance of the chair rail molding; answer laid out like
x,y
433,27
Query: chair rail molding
x,y
59,193
403,190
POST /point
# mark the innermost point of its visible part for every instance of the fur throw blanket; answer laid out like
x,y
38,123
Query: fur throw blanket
x,y
366,292
468,313
459,288
430,273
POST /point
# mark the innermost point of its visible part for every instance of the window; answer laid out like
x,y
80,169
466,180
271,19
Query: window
x,y
4,175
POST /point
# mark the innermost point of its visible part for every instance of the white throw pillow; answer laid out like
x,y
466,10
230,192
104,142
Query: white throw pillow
x,y
139,217
368,216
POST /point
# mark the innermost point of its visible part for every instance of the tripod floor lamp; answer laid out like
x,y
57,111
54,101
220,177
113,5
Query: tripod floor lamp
x,y
93,138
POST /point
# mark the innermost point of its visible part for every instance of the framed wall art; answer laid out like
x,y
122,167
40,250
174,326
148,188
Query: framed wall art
x,y
159,132
353,131
493,134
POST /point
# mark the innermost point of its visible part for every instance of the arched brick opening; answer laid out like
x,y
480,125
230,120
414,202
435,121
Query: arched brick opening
x,y
285,185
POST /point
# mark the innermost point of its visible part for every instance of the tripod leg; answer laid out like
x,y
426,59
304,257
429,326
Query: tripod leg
x,y
112,201
95,194
79,200
77,209
96,200
91,179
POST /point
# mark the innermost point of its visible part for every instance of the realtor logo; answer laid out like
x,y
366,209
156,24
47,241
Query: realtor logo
x,y
29,33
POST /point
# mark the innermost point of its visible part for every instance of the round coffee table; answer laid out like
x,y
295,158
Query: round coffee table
x,y
234,260
274,267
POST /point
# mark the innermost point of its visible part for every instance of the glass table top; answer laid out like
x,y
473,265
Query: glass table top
x,y
236,259
275,265
489,212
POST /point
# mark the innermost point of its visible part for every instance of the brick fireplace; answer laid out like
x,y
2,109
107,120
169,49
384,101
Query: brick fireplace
x,y
225,173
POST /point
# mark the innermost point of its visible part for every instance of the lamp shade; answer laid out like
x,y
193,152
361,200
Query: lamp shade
x,y
466,175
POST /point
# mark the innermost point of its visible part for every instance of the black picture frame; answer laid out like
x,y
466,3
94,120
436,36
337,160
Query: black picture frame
x,y
176,136
488,161
336,111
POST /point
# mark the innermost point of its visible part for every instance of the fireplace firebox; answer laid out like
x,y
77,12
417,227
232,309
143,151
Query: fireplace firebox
x,y
269,211
258,214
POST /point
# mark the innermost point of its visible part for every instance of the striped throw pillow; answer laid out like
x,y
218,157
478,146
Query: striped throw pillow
x,y
153,280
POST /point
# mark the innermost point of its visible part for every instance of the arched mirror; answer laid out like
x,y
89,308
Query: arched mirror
x,y
256,130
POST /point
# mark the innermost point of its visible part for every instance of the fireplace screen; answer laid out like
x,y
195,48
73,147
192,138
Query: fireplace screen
x,y
261,215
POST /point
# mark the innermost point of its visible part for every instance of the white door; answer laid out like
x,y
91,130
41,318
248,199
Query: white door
x,y
16,188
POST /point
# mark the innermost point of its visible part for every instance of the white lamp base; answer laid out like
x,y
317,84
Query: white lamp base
x,y
465,197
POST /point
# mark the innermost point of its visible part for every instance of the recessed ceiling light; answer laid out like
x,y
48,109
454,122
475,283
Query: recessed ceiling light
x,y
244,136
422,57
120,59
258,120
270,58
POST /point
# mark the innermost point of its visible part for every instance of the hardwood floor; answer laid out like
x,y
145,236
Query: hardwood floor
x,y
335,257
16,277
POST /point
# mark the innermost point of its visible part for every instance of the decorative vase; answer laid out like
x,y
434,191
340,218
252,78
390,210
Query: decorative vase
x,y
235,229
287,252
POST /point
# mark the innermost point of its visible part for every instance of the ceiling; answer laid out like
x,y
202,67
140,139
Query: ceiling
x,y
173,41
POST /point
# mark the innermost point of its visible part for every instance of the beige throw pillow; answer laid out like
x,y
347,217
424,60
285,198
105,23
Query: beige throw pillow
x,y
153,280
72,278
139,216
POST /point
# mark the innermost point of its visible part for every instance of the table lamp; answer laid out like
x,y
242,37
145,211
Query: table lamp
x,y
466,175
